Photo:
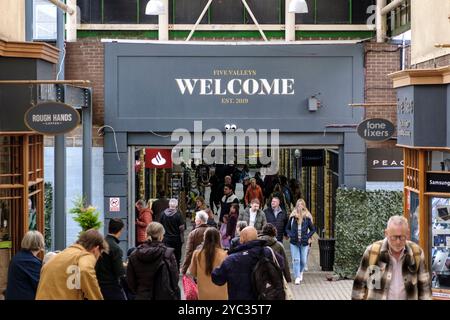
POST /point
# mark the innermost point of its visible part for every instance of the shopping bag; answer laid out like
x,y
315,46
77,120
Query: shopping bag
x,y
190,288
287,290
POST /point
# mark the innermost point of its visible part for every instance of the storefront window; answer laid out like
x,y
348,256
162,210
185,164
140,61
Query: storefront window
x,y
414,216
440,225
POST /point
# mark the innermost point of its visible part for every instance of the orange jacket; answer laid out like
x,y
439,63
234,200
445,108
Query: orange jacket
x,y
253,193
144,219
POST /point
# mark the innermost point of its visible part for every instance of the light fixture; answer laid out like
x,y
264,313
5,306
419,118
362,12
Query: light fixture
x,y
298,6
154,8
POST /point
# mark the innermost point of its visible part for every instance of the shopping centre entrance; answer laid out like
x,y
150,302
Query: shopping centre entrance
x,y
311,173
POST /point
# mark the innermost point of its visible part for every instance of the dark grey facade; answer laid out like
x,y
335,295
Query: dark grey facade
x,y
423,116
144,101
15,100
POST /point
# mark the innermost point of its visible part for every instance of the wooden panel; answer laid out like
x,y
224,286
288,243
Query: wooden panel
x,y
424,222
34,50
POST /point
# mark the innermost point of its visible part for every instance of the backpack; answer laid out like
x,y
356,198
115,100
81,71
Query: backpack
x,y
376,248
165,287
267,278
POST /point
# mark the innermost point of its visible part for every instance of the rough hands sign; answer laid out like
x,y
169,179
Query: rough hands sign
x,y
376,129
52,118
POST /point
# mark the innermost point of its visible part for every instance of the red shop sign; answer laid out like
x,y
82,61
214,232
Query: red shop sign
x,y
158,158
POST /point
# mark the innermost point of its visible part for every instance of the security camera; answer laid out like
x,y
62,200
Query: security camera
x,y
227,127
233,127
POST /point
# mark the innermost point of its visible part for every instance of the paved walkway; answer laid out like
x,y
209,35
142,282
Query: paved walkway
x,y
315,284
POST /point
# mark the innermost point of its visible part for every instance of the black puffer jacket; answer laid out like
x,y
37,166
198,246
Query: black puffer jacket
x,y
152,272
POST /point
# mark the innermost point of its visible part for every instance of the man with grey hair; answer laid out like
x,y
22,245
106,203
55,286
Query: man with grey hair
x,y
195,238
393,268
173,223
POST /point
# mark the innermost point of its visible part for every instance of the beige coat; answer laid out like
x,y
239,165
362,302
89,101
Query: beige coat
x,y
70,275
207,290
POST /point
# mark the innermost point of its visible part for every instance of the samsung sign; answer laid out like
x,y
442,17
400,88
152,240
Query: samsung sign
x,y
52,118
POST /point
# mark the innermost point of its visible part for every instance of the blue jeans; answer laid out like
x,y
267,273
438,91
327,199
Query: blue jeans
x,y
299,258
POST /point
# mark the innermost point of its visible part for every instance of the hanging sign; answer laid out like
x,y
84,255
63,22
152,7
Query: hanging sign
x,y
52,118
158,158
376,129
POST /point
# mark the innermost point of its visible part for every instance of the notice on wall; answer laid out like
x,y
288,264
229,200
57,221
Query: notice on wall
x,y
114,204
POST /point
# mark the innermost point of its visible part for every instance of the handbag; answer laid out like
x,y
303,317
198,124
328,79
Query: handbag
x,y
287,290
190,288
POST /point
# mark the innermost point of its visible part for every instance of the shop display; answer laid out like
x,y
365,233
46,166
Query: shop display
x,y
440,251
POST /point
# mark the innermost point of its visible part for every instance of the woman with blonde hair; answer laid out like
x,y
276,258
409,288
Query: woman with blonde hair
x,y
300,229
204,260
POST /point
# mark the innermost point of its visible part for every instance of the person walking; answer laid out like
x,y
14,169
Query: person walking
x,y
195,238
25,268
204,260
269,235
254,216
109,267
159,205
152,271
253,192
299,229
174,226
393,268
235,242
236,270
142,221
70,275
277,217
227,200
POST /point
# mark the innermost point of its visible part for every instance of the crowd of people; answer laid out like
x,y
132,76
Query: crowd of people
x,y
222,252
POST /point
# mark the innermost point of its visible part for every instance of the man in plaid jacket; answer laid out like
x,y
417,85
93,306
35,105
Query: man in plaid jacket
x,y
393,269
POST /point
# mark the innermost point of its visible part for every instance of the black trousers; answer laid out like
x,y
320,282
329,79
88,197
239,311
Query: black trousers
x,y
112,292
176,244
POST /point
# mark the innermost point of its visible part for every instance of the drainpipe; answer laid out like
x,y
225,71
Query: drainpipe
x,y
163,23
59,188
380,21
289,28
28,20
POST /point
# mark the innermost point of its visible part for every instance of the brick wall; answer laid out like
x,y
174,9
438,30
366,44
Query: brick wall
x,y
84,61
434,63
380,60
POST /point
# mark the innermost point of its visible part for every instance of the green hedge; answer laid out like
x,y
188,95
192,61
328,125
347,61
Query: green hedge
x,y
48,211
361,218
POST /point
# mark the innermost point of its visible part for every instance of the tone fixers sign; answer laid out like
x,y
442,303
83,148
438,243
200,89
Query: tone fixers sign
x,y
52,118
438,182
376,129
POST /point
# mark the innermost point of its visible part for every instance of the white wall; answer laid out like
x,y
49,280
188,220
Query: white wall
x,y
384,185
75,181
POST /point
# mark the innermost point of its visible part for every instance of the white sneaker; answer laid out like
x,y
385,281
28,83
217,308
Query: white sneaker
x,y
301,276
297,281
306,268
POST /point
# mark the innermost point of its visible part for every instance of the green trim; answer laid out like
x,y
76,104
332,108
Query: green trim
x,y
151,34
399,30
178,34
